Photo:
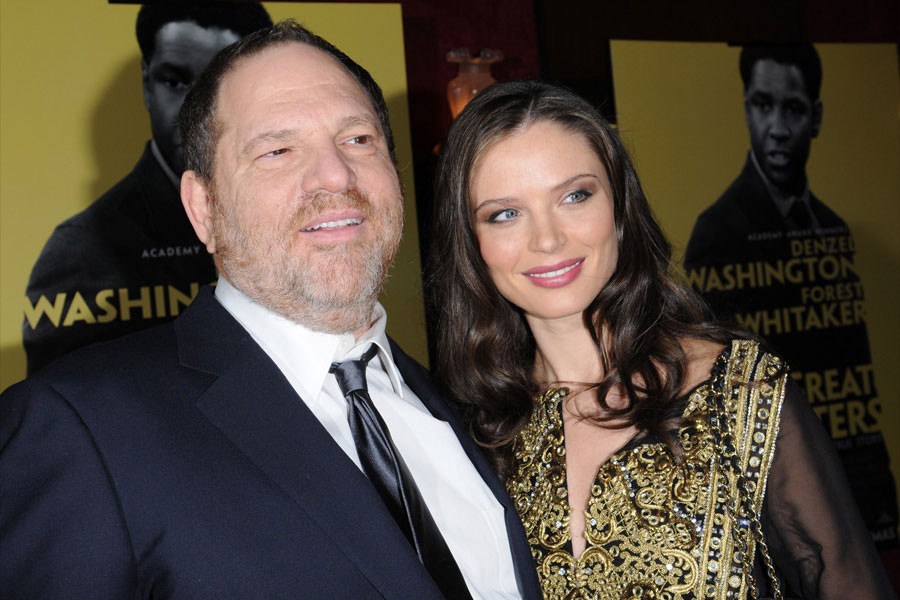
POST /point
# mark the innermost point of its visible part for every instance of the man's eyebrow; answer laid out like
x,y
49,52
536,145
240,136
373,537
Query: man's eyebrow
x,y
169,68
276,135
280,135
759,95
355,120
798,96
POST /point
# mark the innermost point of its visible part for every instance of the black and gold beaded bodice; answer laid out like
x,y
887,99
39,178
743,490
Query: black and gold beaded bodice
x,y
656,527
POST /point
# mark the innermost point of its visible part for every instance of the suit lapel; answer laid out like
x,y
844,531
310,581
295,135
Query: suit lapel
x,y
826,217
252,403
419,381
760,216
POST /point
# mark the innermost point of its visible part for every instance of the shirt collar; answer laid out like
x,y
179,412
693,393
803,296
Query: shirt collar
x,y
303,354
170,174
782,201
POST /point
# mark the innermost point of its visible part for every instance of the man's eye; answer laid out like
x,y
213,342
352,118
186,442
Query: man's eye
x,y
361,140
174,83
796,109
278,152
501,216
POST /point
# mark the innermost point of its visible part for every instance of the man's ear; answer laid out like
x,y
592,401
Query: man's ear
x,y
145,81
747,110
197,201
817,117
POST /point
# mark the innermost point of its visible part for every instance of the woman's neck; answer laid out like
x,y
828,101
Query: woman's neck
x,y
565,353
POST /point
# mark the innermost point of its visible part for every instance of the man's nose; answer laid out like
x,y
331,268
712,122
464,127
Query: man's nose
x,y
778,126
328,170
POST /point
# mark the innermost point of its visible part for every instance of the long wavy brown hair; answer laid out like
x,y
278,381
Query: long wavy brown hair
x,y
484,349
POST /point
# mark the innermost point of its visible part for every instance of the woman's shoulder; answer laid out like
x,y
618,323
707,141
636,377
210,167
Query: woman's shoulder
x,y
702,356
743,358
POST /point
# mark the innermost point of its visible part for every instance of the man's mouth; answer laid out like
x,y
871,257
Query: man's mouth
x,y
778,158
333,224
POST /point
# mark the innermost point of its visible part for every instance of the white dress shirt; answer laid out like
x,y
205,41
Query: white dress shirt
x,y
464,508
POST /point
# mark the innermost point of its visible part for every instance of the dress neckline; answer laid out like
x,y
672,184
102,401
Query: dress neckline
x,y
558,394
642,438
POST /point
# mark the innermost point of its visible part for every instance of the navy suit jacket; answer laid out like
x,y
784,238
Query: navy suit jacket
x,y
178,462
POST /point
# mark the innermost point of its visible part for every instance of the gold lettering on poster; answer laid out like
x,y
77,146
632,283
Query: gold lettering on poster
x,y
844,399
797,319
66,309
797,271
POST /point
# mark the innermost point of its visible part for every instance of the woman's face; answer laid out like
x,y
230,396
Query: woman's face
x,y
543,215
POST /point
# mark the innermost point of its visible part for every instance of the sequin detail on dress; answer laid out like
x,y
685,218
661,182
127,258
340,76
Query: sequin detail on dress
x,y
656,528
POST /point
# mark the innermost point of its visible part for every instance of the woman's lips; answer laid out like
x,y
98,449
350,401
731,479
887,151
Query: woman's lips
x,y
554,276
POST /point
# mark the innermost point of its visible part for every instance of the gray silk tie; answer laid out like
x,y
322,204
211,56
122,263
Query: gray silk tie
x,y
385,468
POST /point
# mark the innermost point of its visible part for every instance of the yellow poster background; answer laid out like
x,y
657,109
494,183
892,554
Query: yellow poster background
x,y
680,111
72,123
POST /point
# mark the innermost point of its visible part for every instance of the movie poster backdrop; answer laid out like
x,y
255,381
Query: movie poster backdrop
x,y
822,286
74,124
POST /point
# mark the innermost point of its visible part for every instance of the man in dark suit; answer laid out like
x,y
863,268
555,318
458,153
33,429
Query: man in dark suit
x,y
217,456
131,259
773,257
771,196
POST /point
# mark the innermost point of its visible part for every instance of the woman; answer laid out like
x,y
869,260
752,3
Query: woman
x,y
650,452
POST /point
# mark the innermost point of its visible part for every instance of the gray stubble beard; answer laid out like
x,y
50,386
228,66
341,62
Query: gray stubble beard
x,y
307,298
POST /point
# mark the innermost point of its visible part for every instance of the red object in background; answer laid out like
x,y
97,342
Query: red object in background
x,y
474,75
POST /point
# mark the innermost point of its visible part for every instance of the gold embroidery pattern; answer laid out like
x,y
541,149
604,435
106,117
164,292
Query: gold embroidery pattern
x,y
656,528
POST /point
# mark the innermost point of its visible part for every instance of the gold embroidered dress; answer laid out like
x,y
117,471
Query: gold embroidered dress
x,y
656,528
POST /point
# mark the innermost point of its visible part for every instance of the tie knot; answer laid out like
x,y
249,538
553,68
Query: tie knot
x,y
351,374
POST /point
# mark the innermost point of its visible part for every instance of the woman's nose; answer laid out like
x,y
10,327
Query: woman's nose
x,y
546,235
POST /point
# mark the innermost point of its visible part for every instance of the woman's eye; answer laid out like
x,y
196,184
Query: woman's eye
x,y
501,216
578,196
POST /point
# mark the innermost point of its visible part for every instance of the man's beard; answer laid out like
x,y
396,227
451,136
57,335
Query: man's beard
x,y
329,287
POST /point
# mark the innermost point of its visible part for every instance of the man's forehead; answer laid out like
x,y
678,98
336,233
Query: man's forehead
x,y
284,78
190,26
293,55
768,73
288,65
176,37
